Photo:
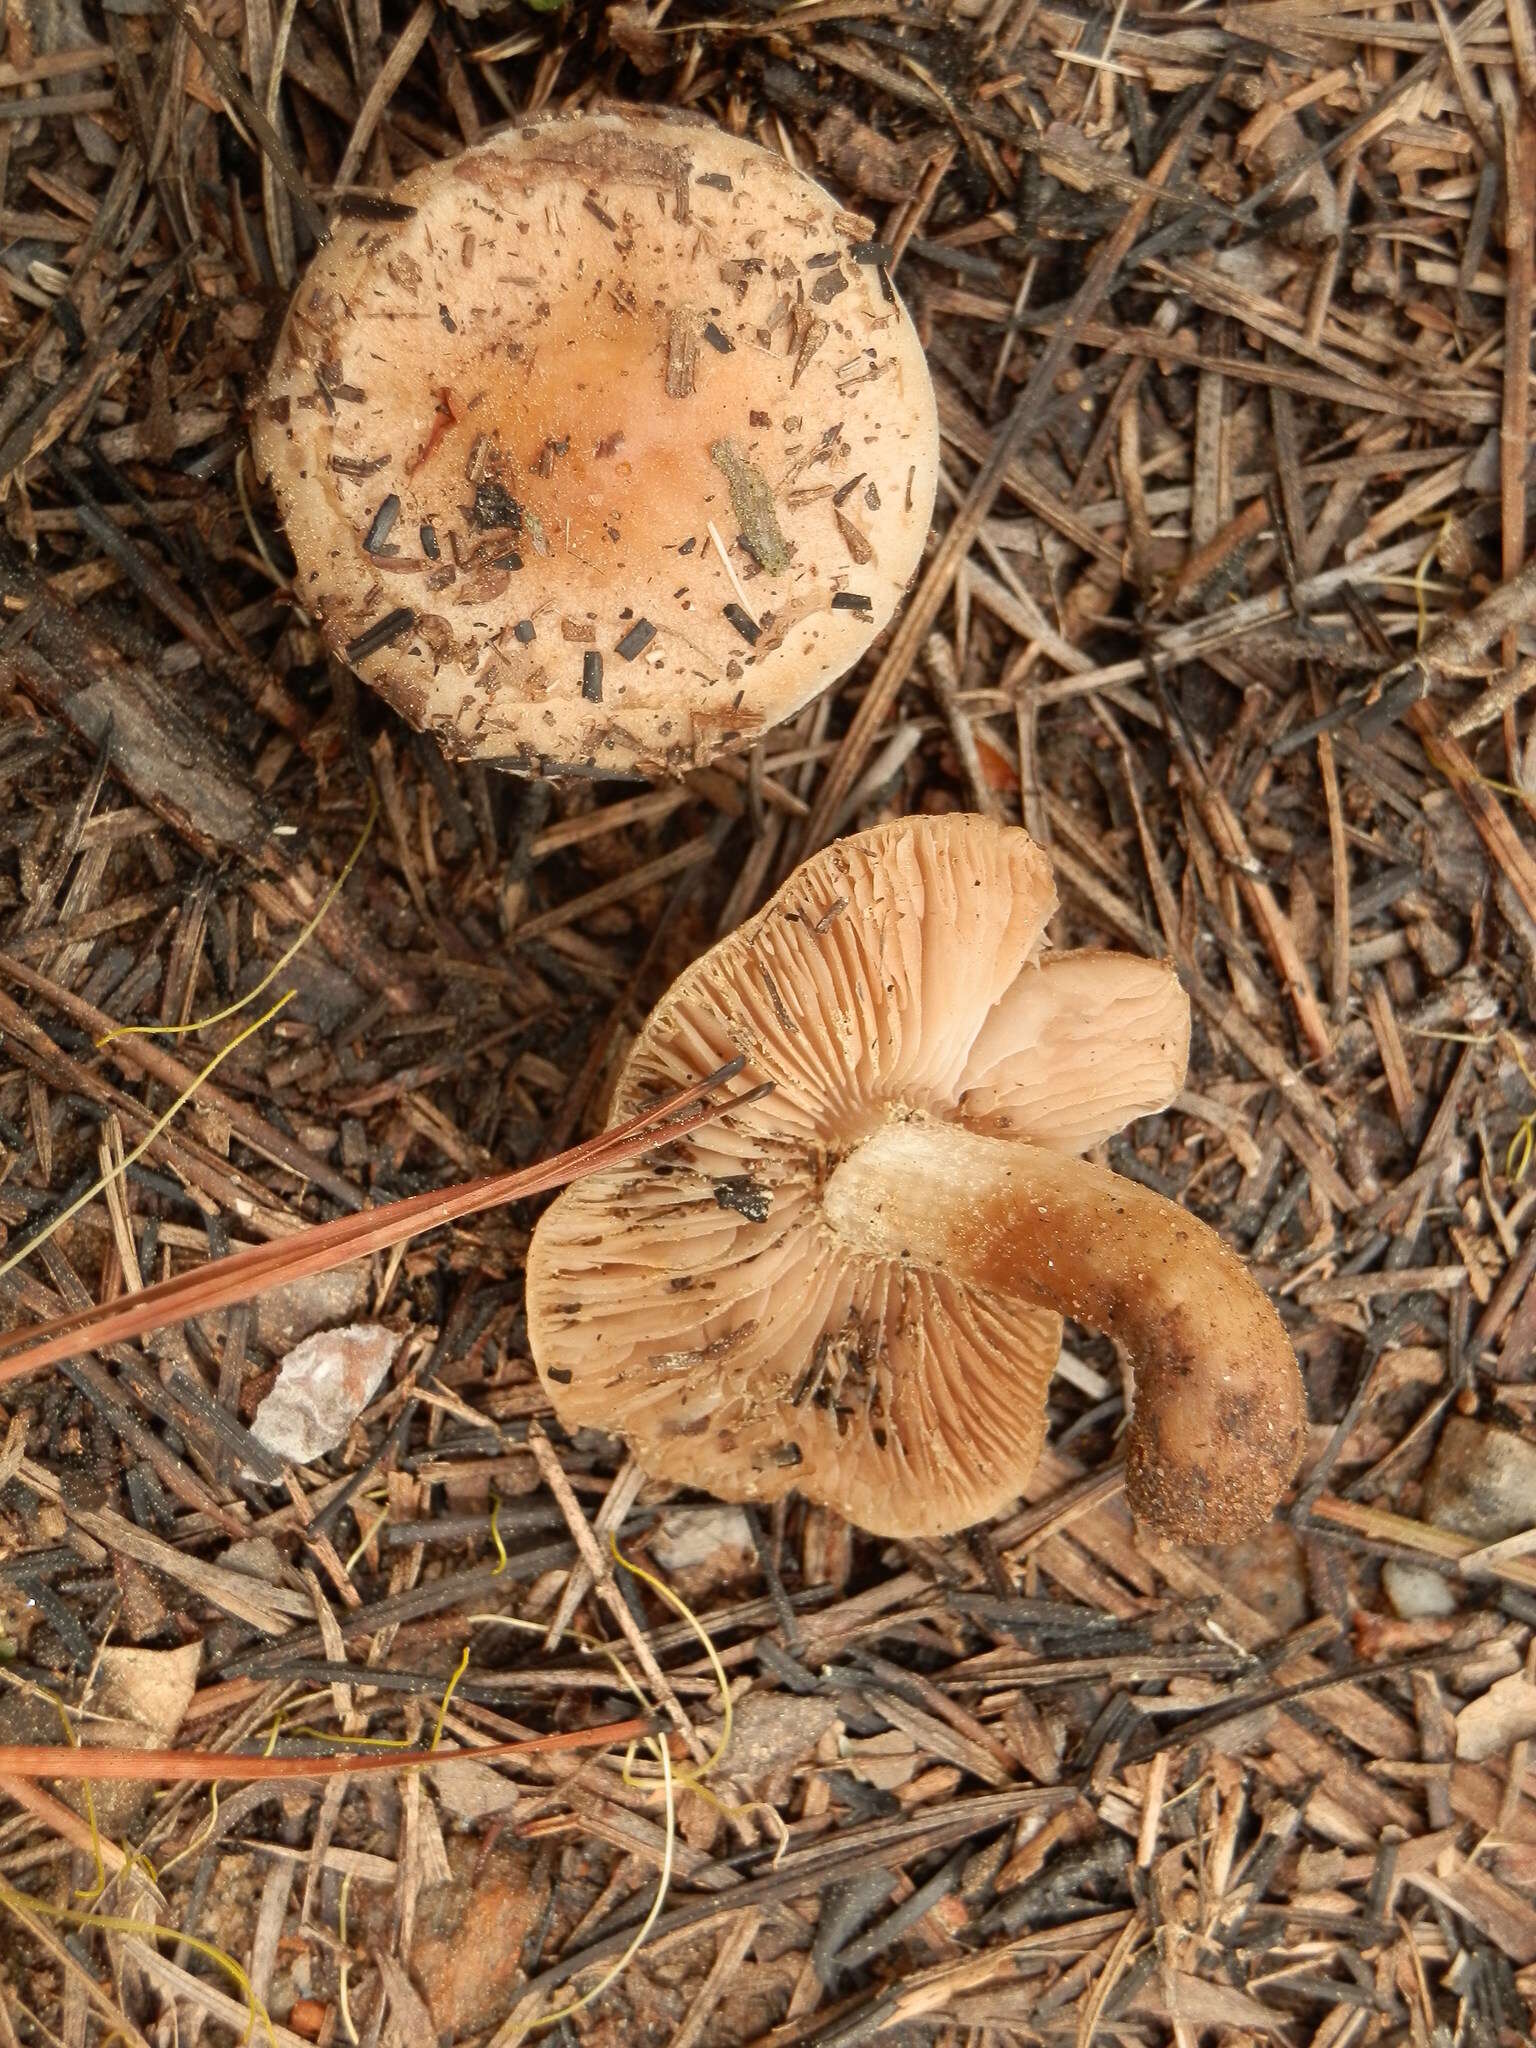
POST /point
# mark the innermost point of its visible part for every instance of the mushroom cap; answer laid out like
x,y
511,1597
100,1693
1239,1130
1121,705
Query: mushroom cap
x,y
701,1303
504,415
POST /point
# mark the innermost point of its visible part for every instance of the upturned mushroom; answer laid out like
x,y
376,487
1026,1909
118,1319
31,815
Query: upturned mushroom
x,y
602,446
855,1286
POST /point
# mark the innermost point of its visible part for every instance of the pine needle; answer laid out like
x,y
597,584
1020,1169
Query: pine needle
x,y
199,1767
14,1258
680,1606
621,1962
324,1246
266,981
23,1903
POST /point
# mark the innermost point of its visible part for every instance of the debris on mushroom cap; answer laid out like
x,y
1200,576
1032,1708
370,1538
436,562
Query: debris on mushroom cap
x,y
751,1347
608,445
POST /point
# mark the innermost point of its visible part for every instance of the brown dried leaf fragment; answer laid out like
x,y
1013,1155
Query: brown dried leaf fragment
x,y
810,331
854,541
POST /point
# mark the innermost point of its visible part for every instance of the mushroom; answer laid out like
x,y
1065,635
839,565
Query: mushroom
x,y
602,446
854,1286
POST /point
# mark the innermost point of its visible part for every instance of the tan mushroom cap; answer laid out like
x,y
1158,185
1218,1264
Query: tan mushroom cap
x,y
502,422
736,1306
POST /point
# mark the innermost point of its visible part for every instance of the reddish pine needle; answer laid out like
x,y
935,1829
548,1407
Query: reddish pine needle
x,y
325,1246
183,1766
235,1279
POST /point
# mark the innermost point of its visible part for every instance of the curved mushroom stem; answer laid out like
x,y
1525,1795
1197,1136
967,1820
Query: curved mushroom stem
x,y
1220,1414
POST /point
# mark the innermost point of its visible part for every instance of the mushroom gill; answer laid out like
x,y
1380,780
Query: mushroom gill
x,y
820,1290
1219,1414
